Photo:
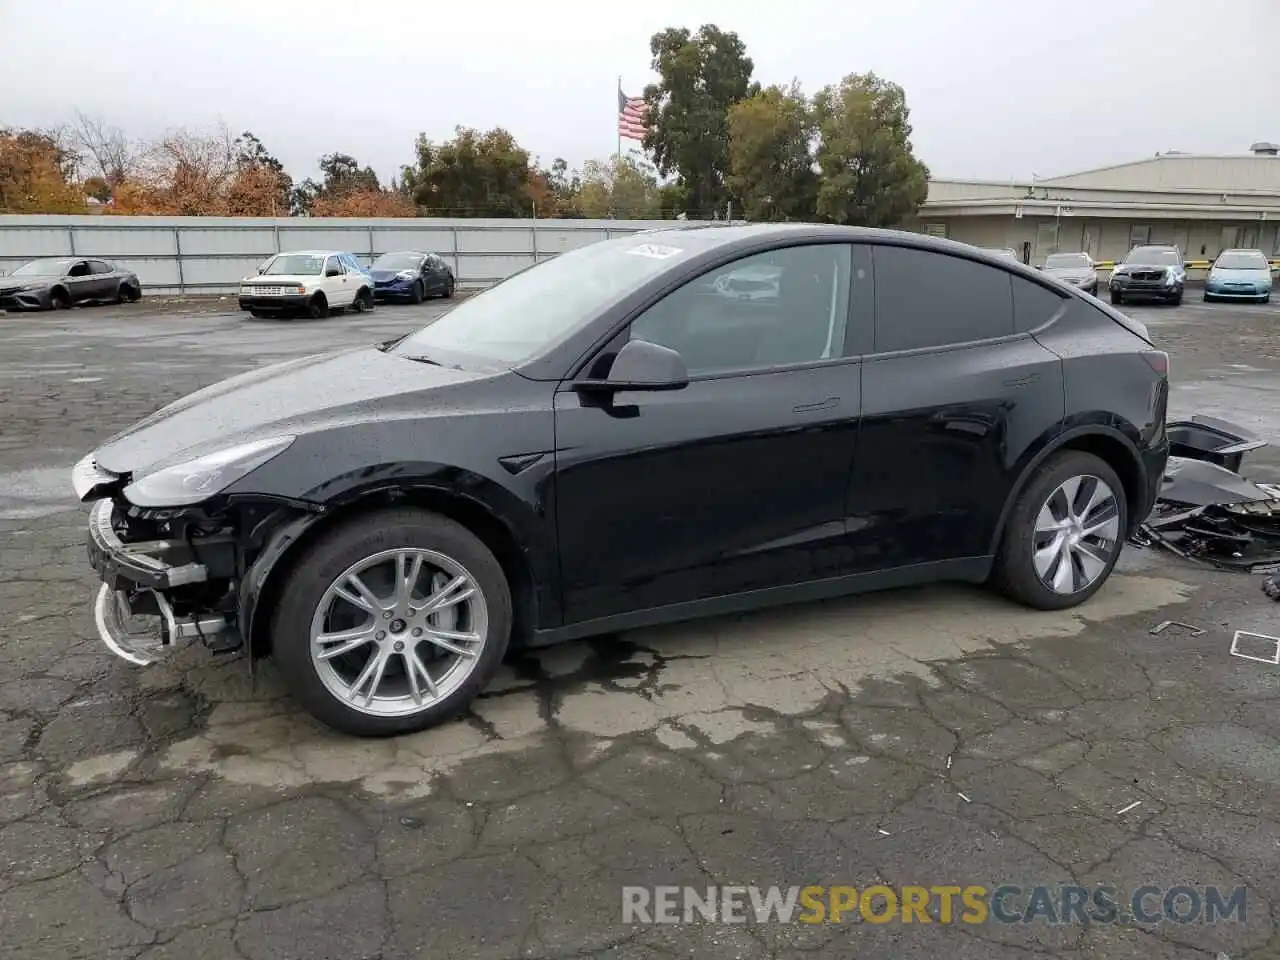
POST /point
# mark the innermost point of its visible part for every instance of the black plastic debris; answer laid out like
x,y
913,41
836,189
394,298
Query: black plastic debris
x,y
1206,511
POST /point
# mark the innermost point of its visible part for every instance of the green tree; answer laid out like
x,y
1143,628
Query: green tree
x,y
870,176
771,165
702,74
343,174
622,187
473,175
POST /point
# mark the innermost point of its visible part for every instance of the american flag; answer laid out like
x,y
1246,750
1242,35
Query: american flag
x,y
630,116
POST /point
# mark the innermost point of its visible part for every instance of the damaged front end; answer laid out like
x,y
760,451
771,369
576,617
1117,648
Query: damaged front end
x,y
174,575
1206,511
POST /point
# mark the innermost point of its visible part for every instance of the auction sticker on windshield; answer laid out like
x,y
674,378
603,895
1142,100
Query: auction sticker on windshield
x,y
657,251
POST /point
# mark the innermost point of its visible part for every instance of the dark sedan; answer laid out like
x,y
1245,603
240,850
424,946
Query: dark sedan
x,y
411,275
605,441
62,282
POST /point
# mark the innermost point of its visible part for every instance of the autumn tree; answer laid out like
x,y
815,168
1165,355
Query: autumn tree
x,y
259,187
771,165
184,173
364,202
36,174
870,176
703,75
473,175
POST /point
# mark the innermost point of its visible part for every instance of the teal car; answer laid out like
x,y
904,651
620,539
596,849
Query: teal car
x,y
1239,275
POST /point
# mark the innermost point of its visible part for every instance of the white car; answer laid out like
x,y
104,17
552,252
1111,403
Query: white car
x,y
312,282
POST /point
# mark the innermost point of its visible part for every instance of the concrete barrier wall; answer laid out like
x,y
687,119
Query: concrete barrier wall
x,y
212,254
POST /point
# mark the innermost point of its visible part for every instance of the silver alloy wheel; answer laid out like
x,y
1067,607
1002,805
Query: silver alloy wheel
x,y
1077,533
399,631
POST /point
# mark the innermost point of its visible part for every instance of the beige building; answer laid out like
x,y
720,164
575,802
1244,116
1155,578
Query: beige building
x,y
1204,204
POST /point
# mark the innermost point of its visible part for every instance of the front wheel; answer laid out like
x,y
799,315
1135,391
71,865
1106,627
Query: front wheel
x,y
448,289
363,302
418,293
392,623
1064,534
1116,298
58,300
318,307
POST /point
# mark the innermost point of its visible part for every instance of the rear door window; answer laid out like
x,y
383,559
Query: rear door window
x,y
924,298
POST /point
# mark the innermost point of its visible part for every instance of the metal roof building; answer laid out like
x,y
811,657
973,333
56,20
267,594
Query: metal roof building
x,y
1203,203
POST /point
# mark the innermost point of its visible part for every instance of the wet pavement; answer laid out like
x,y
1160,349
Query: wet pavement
x,y
936,736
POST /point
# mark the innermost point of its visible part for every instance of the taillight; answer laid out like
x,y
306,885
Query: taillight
x,y
1157,360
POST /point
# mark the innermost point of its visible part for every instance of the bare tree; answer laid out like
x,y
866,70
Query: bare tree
x,y
107,145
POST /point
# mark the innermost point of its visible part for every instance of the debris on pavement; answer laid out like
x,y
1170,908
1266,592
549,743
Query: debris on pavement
x,y
1136,803
1274,642
1161,627
1271,587
964,798
1206,511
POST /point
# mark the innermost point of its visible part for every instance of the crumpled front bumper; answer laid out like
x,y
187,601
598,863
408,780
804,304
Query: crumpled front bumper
x,y
134,610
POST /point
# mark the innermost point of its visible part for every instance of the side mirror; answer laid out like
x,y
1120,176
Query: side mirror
x,y
641,365
333,272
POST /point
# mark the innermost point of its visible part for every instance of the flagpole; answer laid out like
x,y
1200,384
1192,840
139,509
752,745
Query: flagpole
x,y
617,157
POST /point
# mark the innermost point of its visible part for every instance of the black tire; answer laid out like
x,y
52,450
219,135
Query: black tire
x,y
318,307
363,302
1015,574
1177,299
1206,299
58,300
448,289
417,294
257,314
346,545
1267,298
1116,297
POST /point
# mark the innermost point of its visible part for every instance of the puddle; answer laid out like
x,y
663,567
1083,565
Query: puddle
x,y
709,681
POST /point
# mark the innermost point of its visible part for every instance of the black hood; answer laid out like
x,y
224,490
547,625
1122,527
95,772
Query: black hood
x,y
293,397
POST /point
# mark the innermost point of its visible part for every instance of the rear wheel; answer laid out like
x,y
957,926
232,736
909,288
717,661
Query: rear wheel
x,y
318,307
1064,534
392,623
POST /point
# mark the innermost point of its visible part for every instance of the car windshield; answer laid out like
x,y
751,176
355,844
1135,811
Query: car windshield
x,y
539,306
397,261
295,264
1057,260
1154,256
1242,260
43,268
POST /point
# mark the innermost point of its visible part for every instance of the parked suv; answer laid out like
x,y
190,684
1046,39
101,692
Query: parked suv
x,y
605,440
307,281
1152,271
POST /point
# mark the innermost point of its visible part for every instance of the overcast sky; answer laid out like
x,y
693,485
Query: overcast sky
x,y
997,88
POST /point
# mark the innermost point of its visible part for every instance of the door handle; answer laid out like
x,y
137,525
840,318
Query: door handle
x,y
826,404
1022,381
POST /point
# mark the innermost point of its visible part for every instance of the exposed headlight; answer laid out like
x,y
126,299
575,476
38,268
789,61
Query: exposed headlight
x,y
406,274
195,480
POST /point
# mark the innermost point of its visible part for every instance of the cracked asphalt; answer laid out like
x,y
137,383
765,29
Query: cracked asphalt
x,y
931,736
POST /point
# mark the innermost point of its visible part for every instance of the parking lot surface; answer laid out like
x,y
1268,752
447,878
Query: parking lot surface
x,y
936,736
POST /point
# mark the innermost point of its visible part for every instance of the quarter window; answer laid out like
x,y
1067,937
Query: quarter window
x,y
771,309
1033,305
928,299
